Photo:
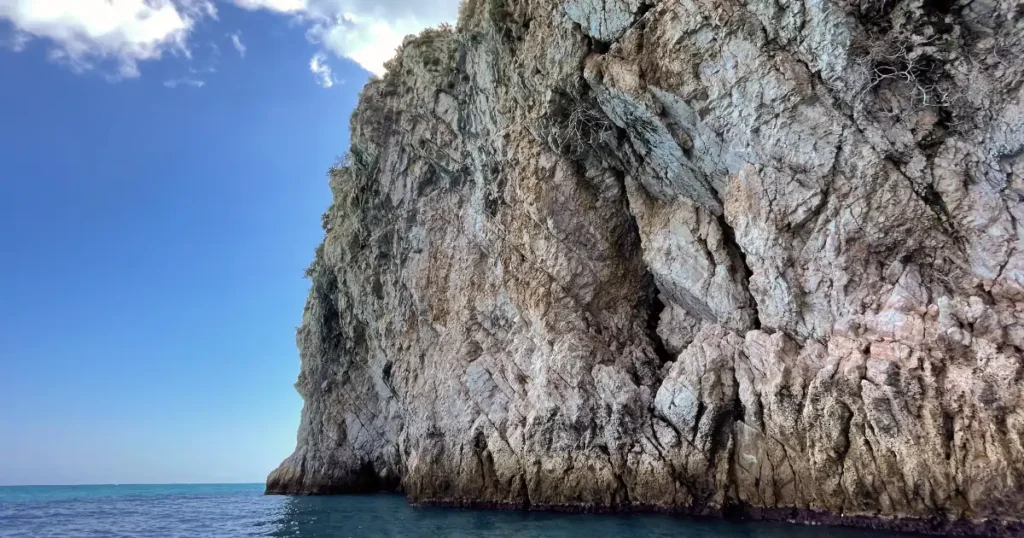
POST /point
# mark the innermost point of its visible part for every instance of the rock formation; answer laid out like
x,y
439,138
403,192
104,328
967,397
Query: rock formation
x,y
740,257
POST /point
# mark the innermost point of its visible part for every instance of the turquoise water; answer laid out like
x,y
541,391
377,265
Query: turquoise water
x,y
230,510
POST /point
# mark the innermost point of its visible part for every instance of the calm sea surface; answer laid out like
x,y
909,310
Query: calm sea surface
x,y
212,511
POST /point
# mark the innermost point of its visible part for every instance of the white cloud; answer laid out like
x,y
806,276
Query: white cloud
x,y
427,12
84,32
284,6
184,81
236,40
321,70
366,41
365,31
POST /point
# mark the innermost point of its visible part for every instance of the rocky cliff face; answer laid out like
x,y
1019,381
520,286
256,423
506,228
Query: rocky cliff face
x,y
758,257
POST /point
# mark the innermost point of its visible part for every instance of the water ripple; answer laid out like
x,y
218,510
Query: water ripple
x,y
221,511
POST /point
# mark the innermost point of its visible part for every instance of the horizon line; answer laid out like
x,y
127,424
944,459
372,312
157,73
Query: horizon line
x,y
131,484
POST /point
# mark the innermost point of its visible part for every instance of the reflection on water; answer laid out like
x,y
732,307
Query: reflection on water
x,y
391,516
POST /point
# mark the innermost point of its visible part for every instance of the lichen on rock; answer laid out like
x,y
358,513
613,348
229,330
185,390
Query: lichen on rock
x,y
751,258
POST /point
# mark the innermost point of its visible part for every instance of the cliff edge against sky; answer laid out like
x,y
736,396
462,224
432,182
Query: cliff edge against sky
x,y
756,257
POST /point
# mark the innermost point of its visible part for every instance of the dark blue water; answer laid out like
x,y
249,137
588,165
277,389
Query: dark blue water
x,y
230,510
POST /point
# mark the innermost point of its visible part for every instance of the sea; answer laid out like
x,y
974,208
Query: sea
x,y
237,510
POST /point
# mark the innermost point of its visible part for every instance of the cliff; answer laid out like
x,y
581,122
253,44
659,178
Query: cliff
x,y
747,257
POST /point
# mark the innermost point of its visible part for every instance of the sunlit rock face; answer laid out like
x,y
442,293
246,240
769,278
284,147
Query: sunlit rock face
x,y
718,257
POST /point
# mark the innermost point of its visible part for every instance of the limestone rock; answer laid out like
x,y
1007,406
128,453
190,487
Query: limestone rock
x,y
732,257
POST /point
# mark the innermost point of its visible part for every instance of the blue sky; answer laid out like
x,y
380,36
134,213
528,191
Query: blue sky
x,y
159,200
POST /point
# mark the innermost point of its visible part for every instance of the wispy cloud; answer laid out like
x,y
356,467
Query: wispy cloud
x,y
184,82
322,71
85,33
236,41
284,6
17,41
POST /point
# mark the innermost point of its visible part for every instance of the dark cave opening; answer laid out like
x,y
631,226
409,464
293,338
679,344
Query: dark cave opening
x,y
655,306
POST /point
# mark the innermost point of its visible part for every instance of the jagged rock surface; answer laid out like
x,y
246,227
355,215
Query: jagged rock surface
x,y
711,256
